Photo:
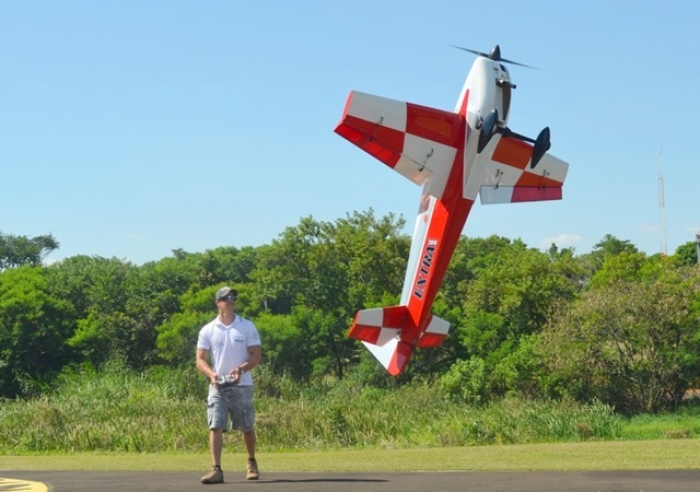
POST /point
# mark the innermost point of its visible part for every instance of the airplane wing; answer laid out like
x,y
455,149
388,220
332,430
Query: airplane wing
x,y
418,142
508,177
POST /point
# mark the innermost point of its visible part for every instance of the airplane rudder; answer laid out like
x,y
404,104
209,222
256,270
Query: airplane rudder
x,y
400,358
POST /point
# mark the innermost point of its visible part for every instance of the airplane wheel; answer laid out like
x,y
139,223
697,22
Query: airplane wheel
x,y
489,127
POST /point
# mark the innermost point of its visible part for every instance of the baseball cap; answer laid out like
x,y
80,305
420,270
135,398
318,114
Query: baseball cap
x,y
224,291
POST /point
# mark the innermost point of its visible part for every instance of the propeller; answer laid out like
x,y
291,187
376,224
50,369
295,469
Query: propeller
x,y
494,55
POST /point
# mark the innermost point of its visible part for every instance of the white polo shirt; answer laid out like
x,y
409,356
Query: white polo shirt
x,y
228,345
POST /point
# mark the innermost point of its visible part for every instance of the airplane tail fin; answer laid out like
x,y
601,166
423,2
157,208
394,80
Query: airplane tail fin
x,y
380,330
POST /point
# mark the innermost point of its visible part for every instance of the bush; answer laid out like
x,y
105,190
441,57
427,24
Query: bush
x,y
465,382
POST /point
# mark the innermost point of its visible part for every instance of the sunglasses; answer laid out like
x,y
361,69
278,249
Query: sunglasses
x,y
228,298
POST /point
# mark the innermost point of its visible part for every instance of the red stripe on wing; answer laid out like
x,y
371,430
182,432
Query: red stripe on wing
x,y
385,144
536,181
436,125
534,194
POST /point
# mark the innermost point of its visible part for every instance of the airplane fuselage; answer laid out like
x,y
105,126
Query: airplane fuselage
x,y
441,219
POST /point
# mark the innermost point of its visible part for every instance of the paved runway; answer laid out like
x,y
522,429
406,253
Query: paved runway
x,y
610,481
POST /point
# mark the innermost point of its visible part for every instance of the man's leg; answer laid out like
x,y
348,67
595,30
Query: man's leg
x,y
216,415
243,419
216,443
250,439
252,472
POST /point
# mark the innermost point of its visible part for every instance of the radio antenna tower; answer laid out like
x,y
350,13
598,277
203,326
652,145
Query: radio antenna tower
x,y
662,204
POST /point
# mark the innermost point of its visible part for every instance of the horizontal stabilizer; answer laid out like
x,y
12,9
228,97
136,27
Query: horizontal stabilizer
x,y
380,330
379,325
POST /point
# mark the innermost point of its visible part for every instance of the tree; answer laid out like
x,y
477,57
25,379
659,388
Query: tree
x,y
608,247
612,246
177,336
225,264
687,254
633,343
470,258
512,298
624,266
332,270
16,251
34,327
116,310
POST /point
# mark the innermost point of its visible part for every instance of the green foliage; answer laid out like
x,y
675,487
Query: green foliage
x,y
222,265
335,267
612,325
546,421
322,273
177,337
608,247
512,298
465,381
633,343
111,410
623,267
287,351
612,246
682,423
687,254
16,251
118,317
34,327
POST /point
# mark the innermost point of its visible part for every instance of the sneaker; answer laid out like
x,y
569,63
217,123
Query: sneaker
x,y
216,475
252,470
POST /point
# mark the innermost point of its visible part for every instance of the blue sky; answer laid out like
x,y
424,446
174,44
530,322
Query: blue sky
x,y
131,128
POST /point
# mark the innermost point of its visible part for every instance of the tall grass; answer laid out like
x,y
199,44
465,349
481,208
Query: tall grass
x,y
417,416
164,410
115,410
684,423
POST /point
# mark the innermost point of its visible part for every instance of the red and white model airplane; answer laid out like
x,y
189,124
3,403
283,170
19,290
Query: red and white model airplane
x,y
454,156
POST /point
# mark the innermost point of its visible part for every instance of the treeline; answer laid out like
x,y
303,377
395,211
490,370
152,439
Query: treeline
x,y
614,325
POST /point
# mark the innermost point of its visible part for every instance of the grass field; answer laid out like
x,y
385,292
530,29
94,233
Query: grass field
x,y
624,455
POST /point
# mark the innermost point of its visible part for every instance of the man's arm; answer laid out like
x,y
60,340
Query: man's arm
x,y
203,365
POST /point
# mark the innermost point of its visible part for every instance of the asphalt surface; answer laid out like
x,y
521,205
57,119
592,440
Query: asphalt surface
x,y
605,481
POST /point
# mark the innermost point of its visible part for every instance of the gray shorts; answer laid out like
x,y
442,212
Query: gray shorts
x,y
236,402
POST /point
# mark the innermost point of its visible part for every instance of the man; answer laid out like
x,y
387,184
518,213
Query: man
x,y
232,344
